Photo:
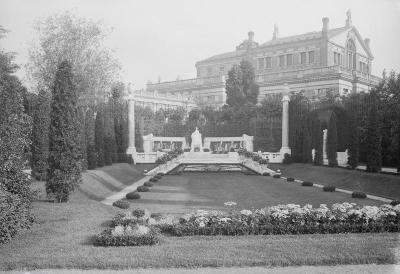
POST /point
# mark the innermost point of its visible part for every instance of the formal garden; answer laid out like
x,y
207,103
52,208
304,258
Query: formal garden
x,y
63,153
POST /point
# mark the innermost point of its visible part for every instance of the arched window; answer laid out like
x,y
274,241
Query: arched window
x,y
351,55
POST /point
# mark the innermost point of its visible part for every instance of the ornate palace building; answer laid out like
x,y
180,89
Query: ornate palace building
x,y
338,60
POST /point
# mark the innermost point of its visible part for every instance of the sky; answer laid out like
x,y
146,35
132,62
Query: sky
x,y
164,39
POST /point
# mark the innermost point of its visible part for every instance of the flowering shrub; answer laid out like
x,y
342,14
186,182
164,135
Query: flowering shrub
x,y
395,202
291,219
136,216
121,204
132,195
128,236
357,194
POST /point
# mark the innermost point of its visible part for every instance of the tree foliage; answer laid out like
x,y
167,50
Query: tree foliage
x,y
332,142
91,155
64,157
99,136
40,133
241,88
78,41
374,157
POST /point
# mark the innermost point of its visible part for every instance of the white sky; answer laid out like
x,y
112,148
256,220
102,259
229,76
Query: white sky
x,y
165,38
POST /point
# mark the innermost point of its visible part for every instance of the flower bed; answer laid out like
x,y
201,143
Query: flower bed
x,y
291,219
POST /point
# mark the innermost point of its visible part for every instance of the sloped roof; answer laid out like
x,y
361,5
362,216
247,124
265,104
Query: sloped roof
x,y
231,54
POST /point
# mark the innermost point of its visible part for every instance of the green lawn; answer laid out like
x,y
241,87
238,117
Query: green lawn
x,y
62,236
384,185
191,191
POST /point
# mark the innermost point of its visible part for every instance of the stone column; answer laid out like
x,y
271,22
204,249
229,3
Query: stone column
x,y
285,122
131,126
325,156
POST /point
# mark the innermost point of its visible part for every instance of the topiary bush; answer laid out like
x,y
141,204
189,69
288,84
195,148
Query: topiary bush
x,y
186,150
290,179
133,195
160,174
307,183
158,177
206,150
142,189
154,179
359,194
263,161
287,159
148,184
329,188
121,204
266,174
276,176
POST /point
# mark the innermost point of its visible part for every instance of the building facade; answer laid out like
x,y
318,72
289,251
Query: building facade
x,y
334,60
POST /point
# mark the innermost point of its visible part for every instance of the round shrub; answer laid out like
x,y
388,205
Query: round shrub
x,y
266,174
160,174
248,172
148,184
158,177
154,179
121,204
132,195
290,179
263,161
186,150
359,194
307,183
276,175
395,202
206,149
329,188
142,189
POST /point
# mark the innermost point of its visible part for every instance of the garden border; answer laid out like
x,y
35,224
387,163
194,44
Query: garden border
x,y
372,197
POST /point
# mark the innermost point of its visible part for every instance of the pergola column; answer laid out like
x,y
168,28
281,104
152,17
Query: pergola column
x,y
131,126
285,122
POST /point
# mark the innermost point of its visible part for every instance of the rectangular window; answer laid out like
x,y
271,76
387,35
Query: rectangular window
x,y
289,59
282,60
335,58
303,57
222,69
209,70
260,63
339,57
311,57
268,62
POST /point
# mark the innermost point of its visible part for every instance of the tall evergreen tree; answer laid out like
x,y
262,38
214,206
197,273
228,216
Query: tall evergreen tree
x,y
40,134
90,140
373,136
109,136
332,142
82,137
319,139
241,88
354,142
99,136
64,157
306,142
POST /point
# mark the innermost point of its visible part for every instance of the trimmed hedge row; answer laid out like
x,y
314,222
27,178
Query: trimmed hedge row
x,y
132,195
121,204
106,238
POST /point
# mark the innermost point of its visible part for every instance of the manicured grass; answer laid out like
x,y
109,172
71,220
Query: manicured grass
x,y
192,191
384,185
62,236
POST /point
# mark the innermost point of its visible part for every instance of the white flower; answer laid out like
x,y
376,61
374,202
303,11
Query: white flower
x,y
118,231
152,221
230,203
224,219
246,212
201,224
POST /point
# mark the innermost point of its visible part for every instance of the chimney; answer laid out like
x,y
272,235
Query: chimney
x,y
251,36
366,41
348,20
325,26
276,32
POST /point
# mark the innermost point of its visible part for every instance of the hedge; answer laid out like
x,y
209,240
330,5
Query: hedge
x,y
329,188
290,179
307,183
132,195
148,184
121,204
106,238
266,174
358,194
276,176
142,189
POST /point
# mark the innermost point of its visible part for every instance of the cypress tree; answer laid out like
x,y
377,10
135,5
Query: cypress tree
x,y
64,163
82,137
332,142
90,140
99,137
319,139
306,142
40,134
354,143
373,138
